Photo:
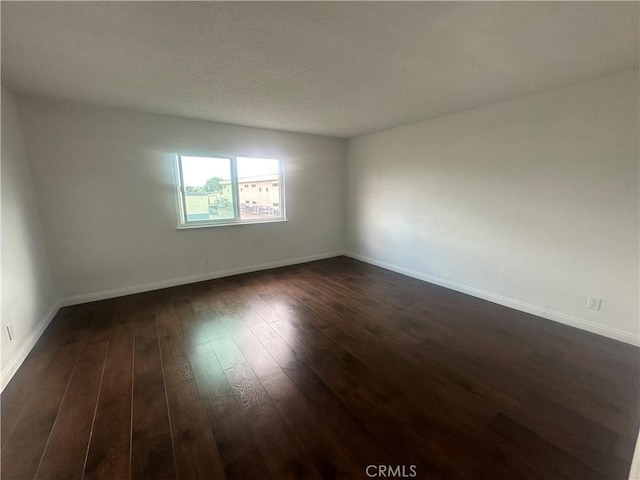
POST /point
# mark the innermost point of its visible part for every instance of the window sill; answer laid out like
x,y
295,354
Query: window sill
x,y
228,224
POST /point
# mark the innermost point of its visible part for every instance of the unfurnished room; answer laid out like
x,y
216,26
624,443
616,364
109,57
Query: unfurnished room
x,y
320,240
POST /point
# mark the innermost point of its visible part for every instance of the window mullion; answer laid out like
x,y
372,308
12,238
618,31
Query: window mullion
x,y
281,191
183,199
235,183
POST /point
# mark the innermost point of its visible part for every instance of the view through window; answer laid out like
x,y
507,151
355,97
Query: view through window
x,y
223,190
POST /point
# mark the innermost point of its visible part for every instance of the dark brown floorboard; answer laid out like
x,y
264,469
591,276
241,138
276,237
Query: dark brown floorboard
x,y
318,371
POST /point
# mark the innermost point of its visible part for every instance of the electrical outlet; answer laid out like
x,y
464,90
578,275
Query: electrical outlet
x,y
10,332
594,303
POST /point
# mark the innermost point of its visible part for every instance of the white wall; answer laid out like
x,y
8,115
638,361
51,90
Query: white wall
x,y
532,203
29,294
105,184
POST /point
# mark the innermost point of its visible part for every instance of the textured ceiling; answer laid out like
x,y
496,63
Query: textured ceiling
x,y
333,68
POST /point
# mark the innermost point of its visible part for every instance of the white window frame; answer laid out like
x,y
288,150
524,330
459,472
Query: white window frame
x,y
183,223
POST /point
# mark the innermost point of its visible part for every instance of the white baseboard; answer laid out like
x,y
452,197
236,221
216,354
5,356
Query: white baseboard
x,y
9,370
12,366
559,317
173,282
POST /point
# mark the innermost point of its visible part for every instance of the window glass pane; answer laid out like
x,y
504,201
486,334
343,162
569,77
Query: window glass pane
x,y
256,200
208,192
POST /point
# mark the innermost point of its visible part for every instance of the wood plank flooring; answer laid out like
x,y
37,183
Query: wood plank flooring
x,y
330,369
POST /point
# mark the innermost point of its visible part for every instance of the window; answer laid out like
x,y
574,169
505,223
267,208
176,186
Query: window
x,y
209,193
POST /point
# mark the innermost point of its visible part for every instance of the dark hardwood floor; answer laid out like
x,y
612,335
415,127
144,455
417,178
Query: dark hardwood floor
x,y
319,370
